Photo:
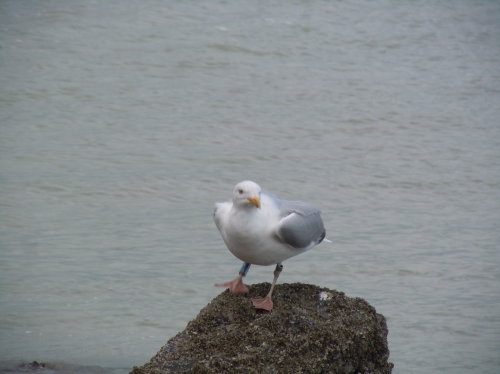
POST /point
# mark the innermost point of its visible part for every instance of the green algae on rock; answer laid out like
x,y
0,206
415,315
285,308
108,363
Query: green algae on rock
x,y
310,330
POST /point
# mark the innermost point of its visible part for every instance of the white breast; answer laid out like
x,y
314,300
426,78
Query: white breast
x,y
251,235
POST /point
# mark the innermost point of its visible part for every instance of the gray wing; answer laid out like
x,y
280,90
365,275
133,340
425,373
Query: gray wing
x,y
301,223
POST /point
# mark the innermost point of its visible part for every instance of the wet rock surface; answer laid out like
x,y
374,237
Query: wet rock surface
x,y
310,330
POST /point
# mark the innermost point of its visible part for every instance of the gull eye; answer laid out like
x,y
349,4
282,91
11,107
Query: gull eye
x,y
240,192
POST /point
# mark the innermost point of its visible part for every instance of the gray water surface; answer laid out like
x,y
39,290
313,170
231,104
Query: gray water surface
x,y
123,122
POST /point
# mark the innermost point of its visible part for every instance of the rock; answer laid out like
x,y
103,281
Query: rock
x,y
311,330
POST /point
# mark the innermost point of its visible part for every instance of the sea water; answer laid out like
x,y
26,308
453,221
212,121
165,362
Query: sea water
x,y
123,122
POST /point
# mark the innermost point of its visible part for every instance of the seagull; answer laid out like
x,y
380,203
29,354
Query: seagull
x,y
259,228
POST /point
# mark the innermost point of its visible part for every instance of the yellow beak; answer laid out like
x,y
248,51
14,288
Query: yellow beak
x,y
255,201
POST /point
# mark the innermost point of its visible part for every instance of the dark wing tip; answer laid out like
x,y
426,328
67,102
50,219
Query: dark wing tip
x,y
322,237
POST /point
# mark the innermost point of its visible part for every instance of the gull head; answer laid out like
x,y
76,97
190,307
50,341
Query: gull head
x,y
247,193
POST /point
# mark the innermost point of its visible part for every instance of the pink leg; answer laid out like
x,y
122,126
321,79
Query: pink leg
x,y
266,303
236,285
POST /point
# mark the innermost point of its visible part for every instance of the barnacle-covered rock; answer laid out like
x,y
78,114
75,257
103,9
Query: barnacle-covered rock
x,y
310,330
